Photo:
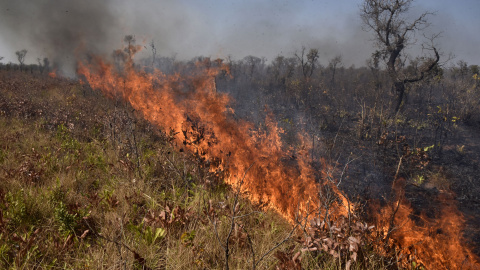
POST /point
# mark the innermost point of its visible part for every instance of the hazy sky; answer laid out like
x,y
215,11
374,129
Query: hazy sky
x,y
218,28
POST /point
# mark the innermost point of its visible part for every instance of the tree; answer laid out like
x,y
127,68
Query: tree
x,y
474,69
308,61
131,49
462,69
44,66
253,63
393,33
154,53
334,63
283,69
21,57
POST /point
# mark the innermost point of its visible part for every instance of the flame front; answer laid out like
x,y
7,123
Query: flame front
x,y
200,118
53,73
435,242
164,102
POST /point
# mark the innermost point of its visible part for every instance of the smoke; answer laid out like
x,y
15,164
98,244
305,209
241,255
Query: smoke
x,y
60,29
64,30
56,28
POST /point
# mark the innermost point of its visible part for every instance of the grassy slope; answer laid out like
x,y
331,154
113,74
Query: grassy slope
x,y
85,184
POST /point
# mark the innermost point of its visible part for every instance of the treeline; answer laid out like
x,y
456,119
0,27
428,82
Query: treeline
x,y
327,93
43,66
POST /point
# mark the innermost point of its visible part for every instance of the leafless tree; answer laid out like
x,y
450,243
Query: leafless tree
x,y
44,66
308,61
253,63
335,63
154,53
393,33
21,57
131,49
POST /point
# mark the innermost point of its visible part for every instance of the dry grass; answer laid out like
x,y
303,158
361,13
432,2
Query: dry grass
x,y
85,184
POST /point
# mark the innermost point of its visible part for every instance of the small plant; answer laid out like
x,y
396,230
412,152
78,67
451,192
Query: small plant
x,y
187,238
428,148
96,160
26,247
419,179
109,199
68,222
16,209
460,149
150,234
70,144
416,266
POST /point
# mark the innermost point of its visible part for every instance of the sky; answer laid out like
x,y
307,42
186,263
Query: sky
x,y
58,29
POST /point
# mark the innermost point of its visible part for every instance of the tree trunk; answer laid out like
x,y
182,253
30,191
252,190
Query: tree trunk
x,y
400,90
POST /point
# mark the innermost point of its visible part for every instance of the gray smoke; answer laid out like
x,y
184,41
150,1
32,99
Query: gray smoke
x,y
57,29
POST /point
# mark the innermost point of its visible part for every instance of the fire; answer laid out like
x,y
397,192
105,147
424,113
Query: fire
x,y
201,120
435,243
53,73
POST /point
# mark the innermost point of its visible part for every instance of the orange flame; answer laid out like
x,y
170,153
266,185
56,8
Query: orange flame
x,y
53,73
202,120
436,243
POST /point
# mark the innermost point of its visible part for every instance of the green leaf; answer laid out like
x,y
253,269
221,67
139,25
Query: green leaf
x,y
428,148
159,233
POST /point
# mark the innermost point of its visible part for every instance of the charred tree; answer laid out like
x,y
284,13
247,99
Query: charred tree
x,y
393,33
308,61
21,57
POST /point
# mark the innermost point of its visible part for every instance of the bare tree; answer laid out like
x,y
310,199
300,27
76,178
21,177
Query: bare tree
x,y
393,33
253,63
21,57
131,49
154,53
335,63
46,64
308,61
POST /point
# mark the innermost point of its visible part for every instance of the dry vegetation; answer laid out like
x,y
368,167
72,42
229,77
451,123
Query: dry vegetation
x,y
86,184
126,167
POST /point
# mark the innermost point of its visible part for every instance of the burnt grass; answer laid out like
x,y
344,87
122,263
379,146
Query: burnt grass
x,y
351,124
446,170
449,171
371,148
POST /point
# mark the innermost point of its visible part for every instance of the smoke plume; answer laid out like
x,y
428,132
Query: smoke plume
x,y
58,29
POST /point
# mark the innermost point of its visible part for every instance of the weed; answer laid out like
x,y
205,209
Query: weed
x,y
149,234
419,179
16,209
68,222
